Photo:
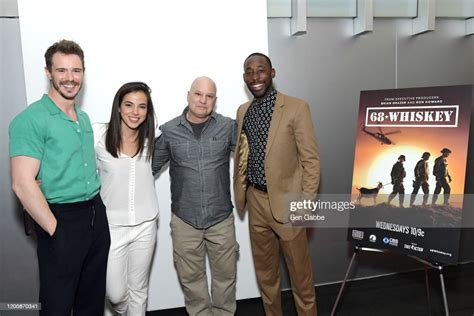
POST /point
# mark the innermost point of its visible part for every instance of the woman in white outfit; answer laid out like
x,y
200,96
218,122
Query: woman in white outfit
x,y
124,149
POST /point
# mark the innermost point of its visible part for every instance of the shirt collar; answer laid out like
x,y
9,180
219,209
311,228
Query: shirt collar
x,y
53,109
184,121
267,100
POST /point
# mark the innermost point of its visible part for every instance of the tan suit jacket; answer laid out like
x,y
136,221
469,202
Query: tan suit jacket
x,y
291,156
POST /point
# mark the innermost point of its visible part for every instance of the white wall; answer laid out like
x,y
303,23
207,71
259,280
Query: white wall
x,y
327,67
165,44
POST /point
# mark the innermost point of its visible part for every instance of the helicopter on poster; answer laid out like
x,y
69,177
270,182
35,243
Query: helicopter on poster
x,y
380,135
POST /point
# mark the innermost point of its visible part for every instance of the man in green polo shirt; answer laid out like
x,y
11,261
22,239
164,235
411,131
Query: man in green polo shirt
x,y
52,141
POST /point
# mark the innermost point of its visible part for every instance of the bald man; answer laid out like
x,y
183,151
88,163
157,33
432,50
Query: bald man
x,y
197,145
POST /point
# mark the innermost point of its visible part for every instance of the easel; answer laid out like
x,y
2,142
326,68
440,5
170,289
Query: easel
x,y
433,265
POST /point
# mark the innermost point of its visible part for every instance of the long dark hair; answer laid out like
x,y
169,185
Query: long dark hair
x,y
146,131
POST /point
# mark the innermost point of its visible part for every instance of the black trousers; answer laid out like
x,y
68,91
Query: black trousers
x,y
73,262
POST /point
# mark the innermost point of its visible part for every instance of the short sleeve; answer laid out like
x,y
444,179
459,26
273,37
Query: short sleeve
x,y
27,136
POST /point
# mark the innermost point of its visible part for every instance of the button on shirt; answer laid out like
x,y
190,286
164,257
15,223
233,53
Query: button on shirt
x,y
64,147
128,185
256,126
199,168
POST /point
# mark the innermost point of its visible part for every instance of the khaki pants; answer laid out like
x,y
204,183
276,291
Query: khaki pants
x,y
267,237
190,246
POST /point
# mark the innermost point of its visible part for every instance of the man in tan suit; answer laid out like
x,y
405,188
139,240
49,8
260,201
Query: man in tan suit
x,y
276,157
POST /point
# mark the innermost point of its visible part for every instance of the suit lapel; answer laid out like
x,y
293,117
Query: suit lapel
x,y
240,123
275,122
241,119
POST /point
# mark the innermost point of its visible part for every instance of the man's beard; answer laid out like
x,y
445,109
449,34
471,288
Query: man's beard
x,y
57,87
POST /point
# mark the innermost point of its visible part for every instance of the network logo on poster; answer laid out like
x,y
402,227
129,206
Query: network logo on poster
x,y
410,168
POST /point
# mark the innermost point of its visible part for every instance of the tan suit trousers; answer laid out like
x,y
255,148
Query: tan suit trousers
x,y
267,238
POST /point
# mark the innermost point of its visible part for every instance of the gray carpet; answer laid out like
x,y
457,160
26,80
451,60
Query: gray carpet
x,y
400,294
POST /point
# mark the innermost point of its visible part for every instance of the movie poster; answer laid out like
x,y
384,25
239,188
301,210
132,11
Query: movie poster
x,y
410,169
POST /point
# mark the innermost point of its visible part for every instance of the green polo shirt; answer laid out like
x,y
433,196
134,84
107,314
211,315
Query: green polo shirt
x,y
64,147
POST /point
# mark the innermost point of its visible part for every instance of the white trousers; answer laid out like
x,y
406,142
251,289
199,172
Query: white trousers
x,y
128,267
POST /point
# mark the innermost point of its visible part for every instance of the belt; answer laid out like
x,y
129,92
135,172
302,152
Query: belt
x,y
75,205
259,187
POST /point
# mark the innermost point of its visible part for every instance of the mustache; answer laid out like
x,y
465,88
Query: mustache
x,y
68,82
